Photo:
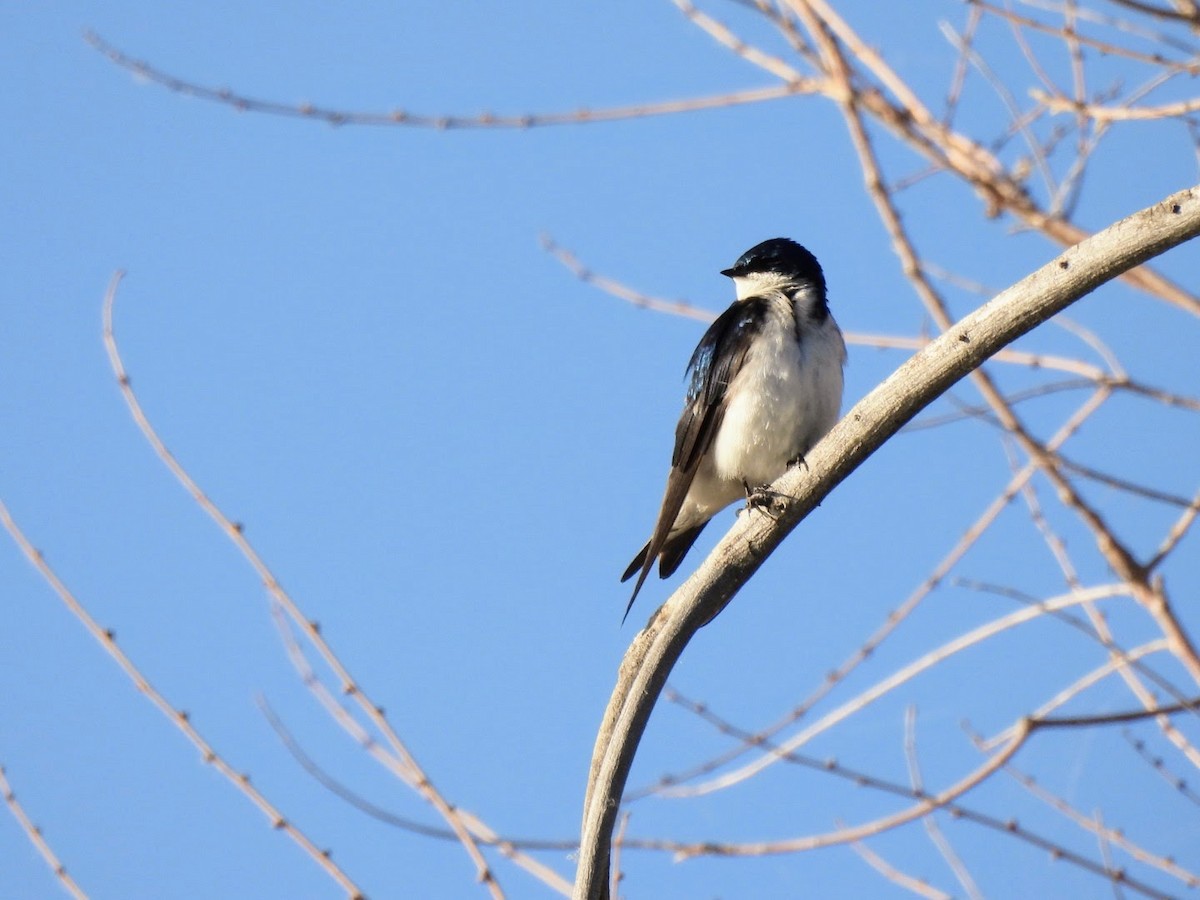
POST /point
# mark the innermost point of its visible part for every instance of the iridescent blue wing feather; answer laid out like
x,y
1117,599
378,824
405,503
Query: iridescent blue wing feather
x,y
717,359
714,364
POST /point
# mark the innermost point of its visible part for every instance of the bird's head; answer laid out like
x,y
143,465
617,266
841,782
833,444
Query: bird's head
x,y
775,264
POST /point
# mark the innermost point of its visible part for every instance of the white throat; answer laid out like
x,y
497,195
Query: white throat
x,y
759,283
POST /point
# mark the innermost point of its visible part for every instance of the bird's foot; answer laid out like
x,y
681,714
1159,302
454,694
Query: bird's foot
x,y
764,497
797,462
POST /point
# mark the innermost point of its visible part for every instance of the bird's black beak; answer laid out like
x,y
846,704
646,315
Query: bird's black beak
x,y
729,273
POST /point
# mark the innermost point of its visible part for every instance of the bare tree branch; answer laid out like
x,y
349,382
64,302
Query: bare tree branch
x,y
401,117
401,762
177,717
34,833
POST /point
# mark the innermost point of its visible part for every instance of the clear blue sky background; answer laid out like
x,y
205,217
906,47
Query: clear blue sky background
x,y
448,448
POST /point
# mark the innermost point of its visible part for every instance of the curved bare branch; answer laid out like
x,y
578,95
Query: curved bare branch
x,y
961,349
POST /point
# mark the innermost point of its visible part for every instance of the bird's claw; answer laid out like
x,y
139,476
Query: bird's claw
x,y
765,498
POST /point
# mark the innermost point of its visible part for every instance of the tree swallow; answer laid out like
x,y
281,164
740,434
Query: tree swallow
x,y
766,385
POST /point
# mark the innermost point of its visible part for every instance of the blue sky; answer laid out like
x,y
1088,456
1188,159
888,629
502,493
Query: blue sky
x,y
448,448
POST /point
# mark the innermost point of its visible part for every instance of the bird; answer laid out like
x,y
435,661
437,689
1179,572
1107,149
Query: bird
x,y
764,386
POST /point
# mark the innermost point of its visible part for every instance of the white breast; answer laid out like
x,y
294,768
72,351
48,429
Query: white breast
x,y
784,399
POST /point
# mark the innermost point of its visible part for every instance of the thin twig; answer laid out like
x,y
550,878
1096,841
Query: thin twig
x,y
961,873
106,638
904,674
861,779
917,886
236,534
1111,836
1158,765
404,118
38,839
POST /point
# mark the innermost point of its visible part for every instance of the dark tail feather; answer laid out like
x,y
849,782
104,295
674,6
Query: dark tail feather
x,y
637,587
676,549
637,563
643,561
678,483
669,558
